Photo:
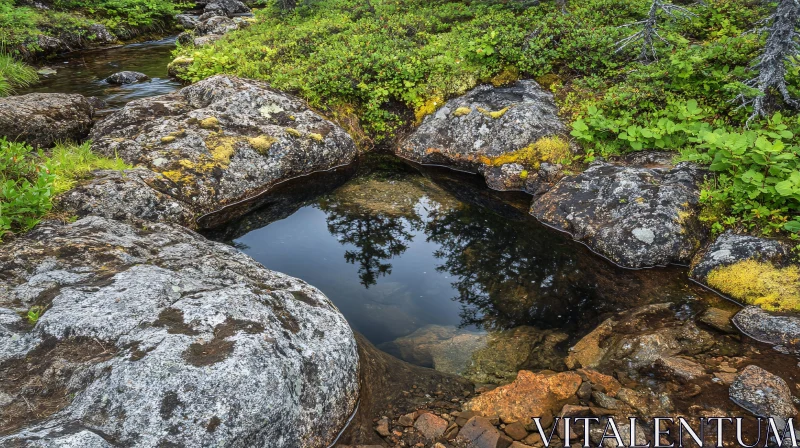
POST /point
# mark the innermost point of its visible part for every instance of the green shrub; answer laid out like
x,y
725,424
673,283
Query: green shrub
x,y
29,180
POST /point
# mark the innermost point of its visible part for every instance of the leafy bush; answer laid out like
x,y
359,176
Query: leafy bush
x,y
25,187
30,180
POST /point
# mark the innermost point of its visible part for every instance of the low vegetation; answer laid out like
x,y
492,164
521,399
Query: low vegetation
x,y
29,180
762,284
69,20
392,62
14,74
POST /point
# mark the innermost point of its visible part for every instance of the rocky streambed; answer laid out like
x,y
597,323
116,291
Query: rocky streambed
x,y
472,312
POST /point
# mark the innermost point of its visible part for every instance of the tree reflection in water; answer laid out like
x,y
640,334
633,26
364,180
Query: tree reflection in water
x,y
377,237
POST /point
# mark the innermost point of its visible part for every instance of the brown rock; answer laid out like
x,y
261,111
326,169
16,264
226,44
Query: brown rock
x,y
516,431
679,368
519,445
534,440
463,417
383,427
478,432
430,426
719,319
588,352
604,383
530,395
408,419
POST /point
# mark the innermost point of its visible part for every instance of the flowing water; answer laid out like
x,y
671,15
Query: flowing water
x,y
85,72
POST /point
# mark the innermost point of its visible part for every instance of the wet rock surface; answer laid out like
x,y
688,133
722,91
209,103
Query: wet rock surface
x,y
222,140
199,343
782,331
636,216
763,394
42,119
486,123
730,248
126,77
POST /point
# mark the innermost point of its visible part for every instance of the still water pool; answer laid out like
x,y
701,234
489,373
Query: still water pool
x,y
415,256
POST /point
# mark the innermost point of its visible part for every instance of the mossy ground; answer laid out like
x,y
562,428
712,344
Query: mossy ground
x,y
757,283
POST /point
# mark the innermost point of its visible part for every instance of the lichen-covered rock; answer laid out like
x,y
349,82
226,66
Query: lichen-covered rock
x,y
206,39
42,119
127,77
137,194
477,132
763,394
780,330
216,25
158,337
100,34
226,7
223,140
187,21
730,248
636,216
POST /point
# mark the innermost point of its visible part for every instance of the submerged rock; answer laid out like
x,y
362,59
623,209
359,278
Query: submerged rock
x,y
530,395
780,330
763,394
488,128
126,77
158,337
730,248
636,216
42,119
223,140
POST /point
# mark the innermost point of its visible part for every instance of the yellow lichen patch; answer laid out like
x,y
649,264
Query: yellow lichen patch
x,y
547,149
316,137
293,132
175,176
168,139
461,111
262,143
427,108
760,284
506,76
523,175
494,115
548,81
209,123
221,148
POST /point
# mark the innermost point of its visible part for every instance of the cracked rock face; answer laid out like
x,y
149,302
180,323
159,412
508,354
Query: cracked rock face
x,y
486,123
730,248
223,140
42,119
158,337
637,216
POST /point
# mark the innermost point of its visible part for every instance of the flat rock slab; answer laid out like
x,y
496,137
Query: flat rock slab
x,y
636,216
780,330
42,119
223,140
485,123
158,337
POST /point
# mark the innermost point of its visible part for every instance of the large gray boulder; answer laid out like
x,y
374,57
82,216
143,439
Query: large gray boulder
x,y
635,215
226,7
130,195
730,248
158,337
472,131
223,140
42,119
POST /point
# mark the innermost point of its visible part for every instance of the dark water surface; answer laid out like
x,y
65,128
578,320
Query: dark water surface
x,y
402,249
84,72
